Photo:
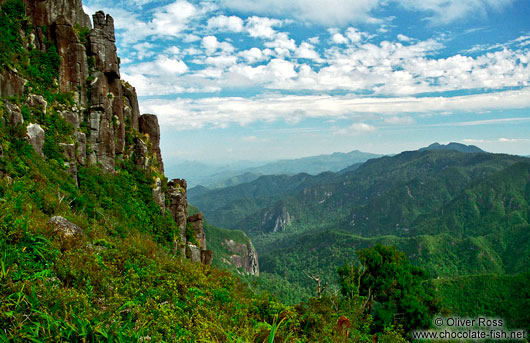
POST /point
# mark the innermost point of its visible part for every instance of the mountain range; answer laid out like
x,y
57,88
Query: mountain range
x,y
454,211
219,176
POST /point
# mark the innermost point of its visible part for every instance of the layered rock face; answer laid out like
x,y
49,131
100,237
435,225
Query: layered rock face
x,y
244,257
276,219
105,110
192,238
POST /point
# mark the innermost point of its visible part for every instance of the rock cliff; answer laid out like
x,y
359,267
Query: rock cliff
x,y
103,110
244,257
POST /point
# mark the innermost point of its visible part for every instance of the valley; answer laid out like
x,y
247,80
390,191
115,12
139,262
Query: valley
x,y
456,214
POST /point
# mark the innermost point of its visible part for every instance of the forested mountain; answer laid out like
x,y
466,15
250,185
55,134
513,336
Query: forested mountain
x,y
453,146
451,212
402,188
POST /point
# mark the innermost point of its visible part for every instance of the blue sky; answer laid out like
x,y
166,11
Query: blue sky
x,y
270,79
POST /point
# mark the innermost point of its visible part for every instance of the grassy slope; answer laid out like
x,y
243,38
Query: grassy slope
x,y
119,281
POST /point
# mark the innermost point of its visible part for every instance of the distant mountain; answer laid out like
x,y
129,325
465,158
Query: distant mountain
x,y
227,206
483,228
315,164
208,174
220,176
381,196
453,146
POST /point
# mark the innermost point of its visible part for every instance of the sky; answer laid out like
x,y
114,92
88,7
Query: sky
x,y
272,79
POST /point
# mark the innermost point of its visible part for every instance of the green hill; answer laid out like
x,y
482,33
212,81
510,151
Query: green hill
x,y
453,213
96,245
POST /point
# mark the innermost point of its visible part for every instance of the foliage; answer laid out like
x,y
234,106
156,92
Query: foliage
x,y
12,23
391,288
452,213
475,295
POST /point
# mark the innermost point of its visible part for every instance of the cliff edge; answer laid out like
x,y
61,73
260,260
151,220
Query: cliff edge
x,y
61,65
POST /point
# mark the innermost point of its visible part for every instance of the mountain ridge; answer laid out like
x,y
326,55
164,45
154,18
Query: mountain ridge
x,y
228,176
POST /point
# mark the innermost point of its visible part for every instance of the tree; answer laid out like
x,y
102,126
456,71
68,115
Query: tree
x,y
393,290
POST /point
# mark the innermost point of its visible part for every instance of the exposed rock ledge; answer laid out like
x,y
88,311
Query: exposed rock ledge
x,y
244,256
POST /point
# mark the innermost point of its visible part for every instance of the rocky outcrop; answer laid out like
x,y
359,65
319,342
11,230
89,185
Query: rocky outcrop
x,y
37,101
148,124
70,159
206,257
46,12
35,135
107,134
193,253
178,204
159,195
131,109
244,257
11,84
192,238
104,112
196,225
74,66
72,118
276,219
13,114
69,234
64,227
80,148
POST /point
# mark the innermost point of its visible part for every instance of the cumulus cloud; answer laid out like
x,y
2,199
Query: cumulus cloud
x,y
162,65
172,19
212,45
253,55
260,27
307,51
224,23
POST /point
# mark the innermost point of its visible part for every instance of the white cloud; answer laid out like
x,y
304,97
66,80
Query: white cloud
x,y
217,111
260,27
395,120
314,40
499,140
324,12
224,23
343,12
254,139
172,19
403,38
253,55
337,37
190,38
307,51
162,65
173,50
357,128
221,61
281,44
447,11
212,45
513,140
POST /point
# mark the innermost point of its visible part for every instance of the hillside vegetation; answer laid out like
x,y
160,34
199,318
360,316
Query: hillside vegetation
x,y
453,213
90,244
